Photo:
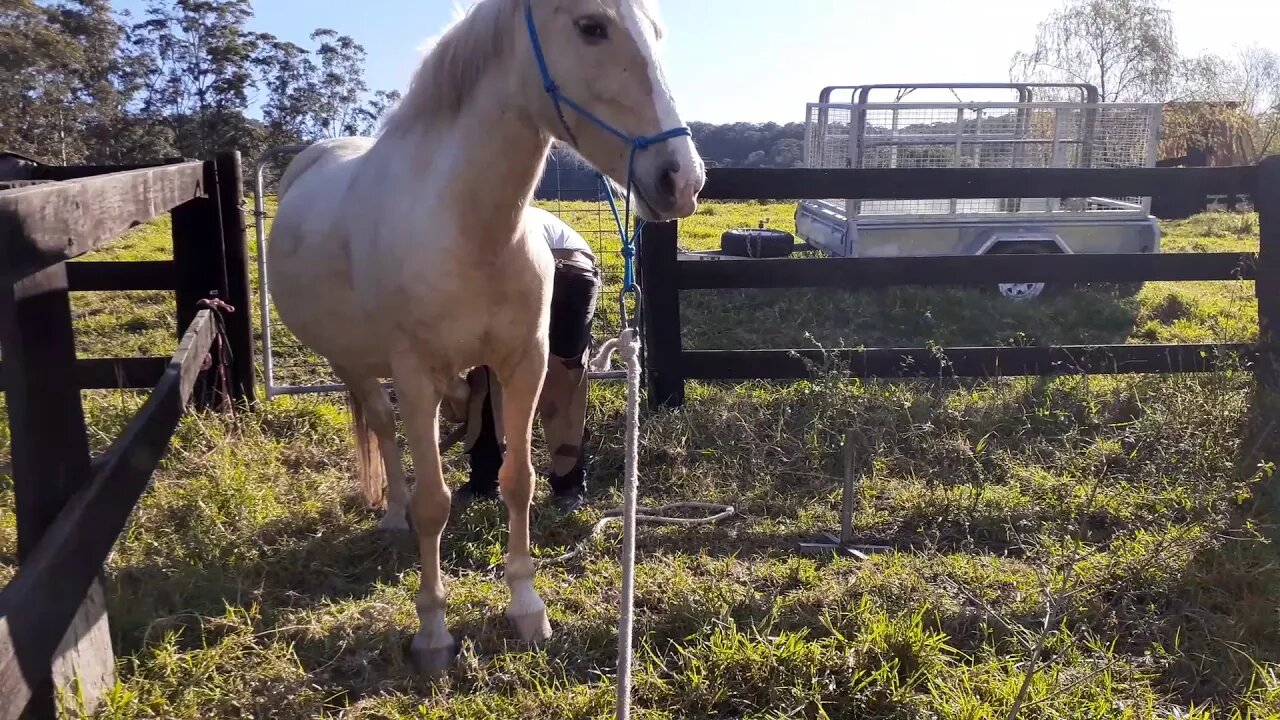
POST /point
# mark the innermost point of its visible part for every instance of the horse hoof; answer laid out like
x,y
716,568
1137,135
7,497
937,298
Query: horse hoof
x,y
394,522
434,663
534,628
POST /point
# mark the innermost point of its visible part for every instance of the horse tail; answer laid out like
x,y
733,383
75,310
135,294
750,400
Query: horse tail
x,y
371,474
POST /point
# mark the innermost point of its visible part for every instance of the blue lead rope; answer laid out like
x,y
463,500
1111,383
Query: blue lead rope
x,y
637,144
628,250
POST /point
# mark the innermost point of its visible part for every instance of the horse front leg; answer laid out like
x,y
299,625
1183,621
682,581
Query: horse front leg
x,y
521,383
433,647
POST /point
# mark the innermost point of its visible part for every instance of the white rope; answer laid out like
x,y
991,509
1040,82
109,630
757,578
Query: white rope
x,y
627,345
629,349
604,355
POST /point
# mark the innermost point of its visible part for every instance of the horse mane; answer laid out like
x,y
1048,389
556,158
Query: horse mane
x,y
457,62
649,11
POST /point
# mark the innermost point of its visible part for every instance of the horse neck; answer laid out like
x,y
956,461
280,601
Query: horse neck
x,y
490,155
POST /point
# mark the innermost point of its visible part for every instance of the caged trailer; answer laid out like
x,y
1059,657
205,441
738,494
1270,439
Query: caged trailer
x,y
1025,126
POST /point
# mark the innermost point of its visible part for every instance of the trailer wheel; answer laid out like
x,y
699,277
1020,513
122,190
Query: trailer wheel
x,y
1025,290
757,243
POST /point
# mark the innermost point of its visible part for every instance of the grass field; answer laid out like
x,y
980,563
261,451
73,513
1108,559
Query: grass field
x,y
1096,540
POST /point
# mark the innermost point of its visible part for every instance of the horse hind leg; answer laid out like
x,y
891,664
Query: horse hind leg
x,y
377,453
521,385
433,647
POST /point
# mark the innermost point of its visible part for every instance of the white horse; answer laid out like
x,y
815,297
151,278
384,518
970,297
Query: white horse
x,y
406,256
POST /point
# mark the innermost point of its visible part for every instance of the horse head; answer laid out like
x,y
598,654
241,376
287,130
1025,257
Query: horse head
x,y
598,85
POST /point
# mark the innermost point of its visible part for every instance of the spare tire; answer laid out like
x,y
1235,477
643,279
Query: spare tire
x,y
757,243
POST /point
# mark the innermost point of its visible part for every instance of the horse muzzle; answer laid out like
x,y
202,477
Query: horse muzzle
x,y
668,178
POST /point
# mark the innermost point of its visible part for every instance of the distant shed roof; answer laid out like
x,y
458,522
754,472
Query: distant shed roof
x,y
16,166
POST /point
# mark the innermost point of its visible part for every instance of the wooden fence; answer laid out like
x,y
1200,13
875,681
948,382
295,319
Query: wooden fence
x,y
70,507
663,275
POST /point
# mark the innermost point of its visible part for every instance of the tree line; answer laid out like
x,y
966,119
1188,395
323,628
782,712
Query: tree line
x,y
741,144
1128,50
81,83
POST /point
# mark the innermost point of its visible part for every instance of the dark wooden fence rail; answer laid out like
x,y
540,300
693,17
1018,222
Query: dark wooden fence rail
x,y
70,510
210,240
663,276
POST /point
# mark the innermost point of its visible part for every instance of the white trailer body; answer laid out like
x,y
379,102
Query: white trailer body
x,y
1015,132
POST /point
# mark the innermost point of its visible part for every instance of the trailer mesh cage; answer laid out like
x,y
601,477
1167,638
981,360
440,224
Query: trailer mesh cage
x,y
984,135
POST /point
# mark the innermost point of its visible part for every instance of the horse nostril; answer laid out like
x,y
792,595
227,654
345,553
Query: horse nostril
x,y
667,181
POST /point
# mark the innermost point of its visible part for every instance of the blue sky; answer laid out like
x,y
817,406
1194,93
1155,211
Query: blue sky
x,y
760,60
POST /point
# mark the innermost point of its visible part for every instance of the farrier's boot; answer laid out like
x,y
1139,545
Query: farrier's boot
x,y
569,491
485,456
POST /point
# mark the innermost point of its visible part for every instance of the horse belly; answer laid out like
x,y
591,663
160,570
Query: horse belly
x,y
313,295
333,327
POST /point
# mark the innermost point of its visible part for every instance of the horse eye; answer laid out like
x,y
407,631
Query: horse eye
x,y
592,30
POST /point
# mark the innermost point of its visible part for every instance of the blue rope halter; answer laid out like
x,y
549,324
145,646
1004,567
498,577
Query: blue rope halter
x,y
637,144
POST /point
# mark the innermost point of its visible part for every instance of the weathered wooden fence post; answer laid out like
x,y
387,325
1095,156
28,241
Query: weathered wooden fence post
x,y
201,268
1266,403
50,464
1267,285
235,246
660,296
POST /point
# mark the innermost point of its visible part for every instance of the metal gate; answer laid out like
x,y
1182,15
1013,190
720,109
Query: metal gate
x,y
569,188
